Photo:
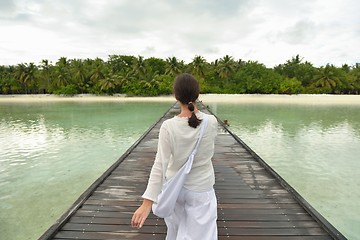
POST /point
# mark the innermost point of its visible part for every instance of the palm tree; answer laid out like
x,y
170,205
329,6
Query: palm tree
x,y
45,75
63,61
199,66
173,66
8,84
80,74
327,78
31,74
109,83
354,80
139,67
153,80
62,72
25,74
20,75
125,80
98,72
225,67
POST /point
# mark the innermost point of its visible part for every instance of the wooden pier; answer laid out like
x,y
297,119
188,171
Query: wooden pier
x,y
254,202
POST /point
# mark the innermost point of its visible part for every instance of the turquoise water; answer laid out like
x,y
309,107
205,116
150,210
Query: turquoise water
x,y
52,152
315,148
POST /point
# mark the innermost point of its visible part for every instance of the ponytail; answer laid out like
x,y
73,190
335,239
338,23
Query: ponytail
x,y
186,90
193,120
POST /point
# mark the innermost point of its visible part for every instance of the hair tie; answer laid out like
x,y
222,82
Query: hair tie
x,y
191,107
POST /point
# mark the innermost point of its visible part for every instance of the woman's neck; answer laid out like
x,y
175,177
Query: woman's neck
x,y
185,112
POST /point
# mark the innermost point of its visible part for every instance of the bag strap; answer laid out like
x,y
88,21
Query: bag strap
x,y
202,131
188,164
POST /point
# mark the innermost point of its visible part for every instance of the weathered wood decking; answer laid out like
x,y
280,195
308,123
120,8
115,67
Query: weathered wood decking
x,y
253,201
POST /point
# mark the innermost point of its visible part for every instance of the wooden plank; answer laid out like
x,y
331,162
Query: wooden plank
x,y
227,211
272,232
108,235
267,224
152,221
228,237
144,236
117,228
222,231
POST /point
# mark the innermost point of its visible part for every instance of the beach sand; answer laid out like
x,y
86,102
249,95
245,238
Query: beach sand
x,y
316,99
205,98
81,98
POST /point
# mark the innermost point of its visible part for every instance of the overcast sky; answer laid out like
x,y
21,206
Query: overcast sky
x,y
267,31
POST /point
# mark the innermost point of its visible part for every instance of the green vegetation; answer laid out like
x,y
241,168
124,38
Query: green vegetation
x,y
154,76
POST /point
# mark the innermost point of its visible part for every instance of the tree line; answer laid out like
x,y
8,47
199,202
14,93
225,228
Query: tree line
x,y
154,76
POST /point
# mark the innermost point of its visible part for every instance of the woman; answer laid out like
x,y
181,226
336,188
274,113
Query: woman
x,y
195,212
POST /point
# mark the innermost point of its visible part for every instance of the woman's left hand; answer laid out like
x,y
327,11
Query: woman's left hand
x,y
141,214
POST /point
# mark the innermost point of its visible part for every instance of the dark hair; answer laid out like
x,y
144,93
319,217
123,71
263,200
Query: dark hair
x,y
186,90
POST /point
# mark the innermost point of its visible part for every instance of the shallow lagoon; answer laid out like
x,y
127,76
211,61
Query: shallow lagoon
x,y
315,148
52,151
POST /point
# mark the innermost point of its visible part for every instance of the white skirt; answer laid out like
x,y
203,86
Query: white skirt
x,y
194,217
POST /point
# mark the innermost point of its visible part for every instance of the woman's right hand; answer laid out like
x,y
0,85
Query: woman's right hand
x,y
141,214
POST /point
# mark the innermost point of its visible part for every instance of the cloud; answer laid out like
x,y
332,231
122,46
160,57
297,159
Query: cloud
x,y
268,31
8,11
7,6
301,32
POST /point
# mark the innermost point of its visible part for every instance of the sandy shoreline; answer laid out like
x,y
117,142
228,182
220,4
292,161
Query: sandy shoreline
x,y
206,98
321,99
80,98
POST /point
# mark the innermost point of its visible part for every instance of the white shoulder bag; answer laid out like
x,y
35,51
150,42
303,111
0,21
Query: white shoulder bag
x,y
165,204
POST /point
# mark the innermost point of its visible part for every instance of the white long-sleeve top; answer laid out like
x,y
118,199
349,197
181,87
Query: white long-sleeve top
x,y
176,142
